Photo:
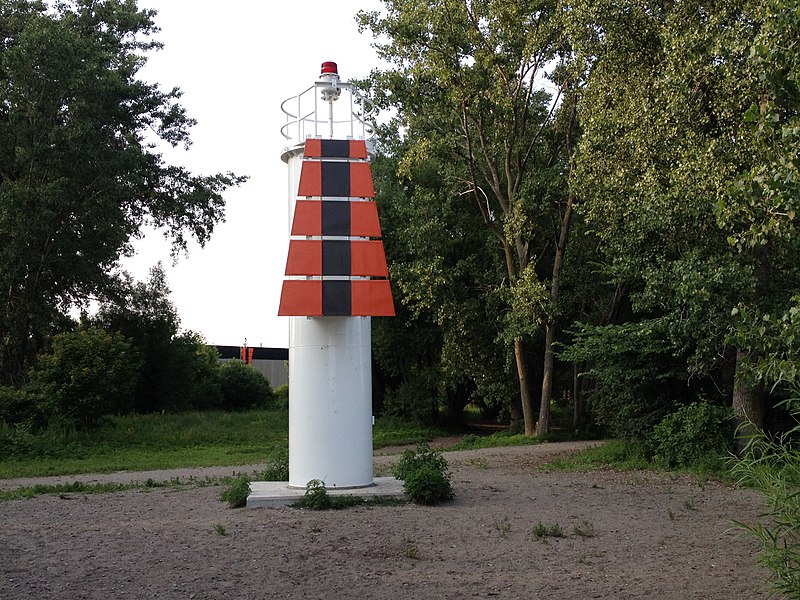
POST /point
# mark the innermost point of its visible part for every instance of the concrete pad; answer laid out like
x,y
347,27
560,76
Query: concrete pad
x,y
278,493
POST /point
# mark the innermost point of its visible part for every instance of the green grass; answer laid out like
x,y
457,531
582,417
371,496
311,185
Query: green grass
x,y
633,456
166,441
618,454
495,440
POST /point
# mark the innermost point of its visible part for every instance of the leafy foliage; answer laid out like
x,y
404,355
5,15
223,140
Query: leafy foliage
x,y
88,374
630,394
694,435
243,387
236,494
316,496
772,466
425,475
483,167
79,175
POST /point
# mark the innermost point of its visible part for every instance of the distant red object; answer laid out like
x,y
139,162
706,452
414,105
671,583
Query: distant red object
x,y
329,67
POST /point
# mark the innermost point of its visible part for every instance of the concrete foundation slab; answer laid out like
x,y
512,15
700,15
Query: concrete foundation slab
x,y
278,493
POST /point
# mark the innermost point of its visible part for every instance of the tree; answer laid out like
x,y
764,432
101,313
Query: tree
x,y
466,84
144,314
686,166
79,171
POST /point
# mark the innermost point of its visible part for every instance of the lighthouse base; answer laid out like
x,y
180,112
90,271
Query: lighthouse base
x,y
279,493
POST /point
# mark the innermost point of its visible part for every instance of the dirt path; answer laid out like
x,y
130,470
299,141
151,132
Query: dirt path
x,y
626,535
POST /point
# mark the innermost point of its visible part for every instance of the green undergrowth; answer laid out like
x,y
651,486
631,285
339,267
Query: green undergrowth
x,y
495,440
634,456
389,431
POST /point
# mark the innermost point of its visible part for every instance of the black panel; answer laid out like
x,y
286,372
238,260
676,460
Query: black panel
x,y
336,300
335,218
336,179
335,257
336,148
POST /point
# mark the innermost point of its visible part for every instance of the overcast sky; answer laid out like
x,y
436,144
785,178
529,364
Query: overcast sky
x,y
236,62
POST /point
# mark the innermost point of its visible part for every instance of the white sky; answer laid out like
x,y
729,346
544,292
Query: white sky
x,y
236,61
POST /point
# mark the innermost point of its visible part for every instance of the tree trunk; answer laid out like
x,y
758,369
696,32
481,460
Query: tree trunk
x,y
543,426
748,404
524,388
579,399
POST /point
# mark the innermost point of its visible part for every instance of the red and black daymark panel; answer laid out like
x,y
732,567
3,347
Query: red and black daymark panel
x,y
338,258
341,179
355,298
317,218
315,148
345,262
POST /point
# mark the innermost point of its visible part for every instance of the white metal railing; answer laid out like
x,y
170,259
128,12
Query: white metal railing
x,y
311,114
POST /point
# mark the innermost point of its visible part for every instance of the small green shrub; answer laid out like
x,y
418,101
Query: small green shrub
x,y
281,394
425,475
236,495
277,467
541,531
244,387
699,434
316,496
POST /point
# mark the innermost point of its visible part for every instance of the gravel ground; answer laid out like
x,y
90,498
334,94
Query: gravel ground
x,y
626,535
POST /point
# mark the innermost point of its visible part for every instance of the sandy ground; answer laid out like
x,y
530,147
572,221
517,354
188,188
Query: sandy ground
x,y
653,536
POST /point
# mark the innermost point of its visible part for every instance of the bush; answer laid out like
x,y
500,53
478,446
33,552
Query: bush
x,y
316,496
244,387
281,394
89,373
425,475
694,435
277,467
20,408
236,495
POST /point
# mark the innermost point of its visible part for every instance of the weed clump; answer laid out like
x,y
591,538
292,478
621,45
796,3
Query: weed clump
x,y
425,475
236,495
316,496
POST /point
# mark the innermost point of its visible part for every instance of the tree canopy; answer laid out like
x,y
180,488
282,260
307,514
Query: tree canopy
x,y
80,172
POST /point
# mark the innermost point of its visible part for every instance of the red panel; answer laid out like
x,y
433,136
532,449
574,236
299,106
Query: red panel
x,y
305,257
368,259
310,179
301,298
361,181
313,148
364,219
307,218
372,298
358,149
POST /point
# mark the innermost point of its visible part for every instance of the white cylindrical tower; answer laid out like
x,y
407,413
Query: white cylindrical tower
x,y
330,375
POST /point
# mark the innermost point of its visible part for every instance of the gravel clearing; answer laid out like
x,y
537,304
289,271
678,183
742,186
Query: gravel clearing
x,y
625,535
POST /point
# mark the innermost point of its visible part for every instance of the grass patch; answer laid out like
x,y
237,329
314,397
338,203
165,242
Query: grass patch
x,y
495,440
168,441
148,442
79,487
390,431
618,454
627,455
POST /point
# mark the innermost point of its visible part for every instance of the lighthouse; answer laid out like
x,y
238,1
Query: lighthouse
x,y
336,279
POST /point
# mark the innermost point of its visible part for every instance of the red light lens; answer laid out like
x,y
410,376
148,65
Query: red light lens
x,y
330,67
